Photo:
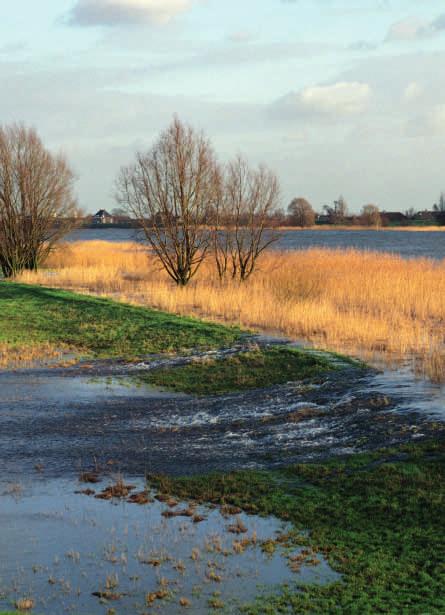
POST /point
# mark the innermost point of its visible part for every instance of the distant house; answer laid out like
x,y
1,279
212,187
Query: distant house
x,y
102,217
322,219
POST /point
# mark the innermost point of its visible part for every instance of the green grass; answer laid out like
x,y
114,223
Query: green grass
x,y
33,315
249,370
378,518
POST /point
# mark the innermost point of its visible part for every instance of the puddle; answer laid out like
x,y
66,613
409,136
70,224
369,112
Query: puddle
x,y
58,548
412,394
52,389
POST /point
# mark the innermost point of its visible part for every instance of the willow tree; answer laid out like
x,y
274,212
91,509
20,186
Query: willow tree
x,y
242,230
37,205
172,190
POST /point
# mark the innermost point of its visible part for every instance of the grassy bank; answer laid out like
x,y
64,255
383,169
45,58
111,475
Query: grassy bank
x,y
38,322
377,518
250,370
377,306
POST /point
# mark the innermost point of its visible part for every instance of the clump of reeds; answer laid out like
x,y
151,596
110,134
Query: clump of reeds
x,y
376,306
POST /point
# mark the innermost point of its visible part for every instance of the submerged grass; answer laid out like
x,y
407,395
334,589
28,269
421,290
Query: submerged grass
x,y
378,518
249,370
36,321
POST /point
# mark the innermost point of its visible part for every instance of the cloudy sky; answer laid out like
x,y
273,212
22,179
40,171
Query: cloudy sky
x,y
338,96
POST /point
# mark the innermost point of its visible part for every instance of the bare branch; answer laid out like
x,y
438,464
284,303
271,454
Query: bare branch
x,y
171,189
37,206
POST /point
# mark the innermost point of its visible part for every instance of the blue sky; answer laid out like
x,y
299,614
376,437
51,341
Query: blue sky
x,y
338,96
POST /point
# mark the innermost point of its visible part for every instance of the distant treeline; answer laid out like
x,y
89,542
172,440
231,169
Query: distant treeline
x,y
299,213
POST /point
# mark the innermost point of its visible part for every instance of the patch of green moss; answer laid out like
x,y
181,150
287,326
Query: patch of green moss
x,y
247,370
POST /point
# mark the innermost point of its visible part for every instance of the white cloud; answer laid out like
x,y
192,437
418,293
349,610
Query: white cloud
x,y
126,12
407,30
427,124
338,99
413,29
412,91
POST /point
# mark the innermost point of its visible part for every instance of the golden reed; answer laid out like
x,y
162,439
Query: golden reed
x,y
375,306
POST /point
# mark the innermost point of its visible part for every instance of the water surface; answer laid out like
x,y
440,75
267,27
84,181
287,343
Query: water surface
x,y
59,548
409,244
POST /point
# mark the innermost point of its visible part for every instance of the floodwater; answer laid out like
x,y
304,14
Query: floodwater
x,y
69,419
409,244
59,548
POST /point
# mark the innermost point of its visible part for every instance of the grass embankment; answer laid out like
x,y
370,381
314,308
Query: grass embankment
x,y
249,370
38,322
378,519
373,305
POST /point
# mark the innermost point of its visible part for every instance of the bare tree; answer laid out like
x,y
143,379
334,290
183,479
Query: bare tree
x,y
171,189
440,205
370,216
301,213
241,234
37,206
338,212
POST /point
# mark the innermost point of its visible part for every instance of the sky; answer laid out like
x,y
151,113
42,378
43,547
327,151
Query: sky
x,y
337,96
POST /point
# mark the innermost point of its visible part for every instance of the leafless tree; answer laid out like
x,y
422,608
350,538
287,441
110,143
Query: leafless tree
x,y
440,205
37,206
171,189
301,213
338,212
241,234
370,216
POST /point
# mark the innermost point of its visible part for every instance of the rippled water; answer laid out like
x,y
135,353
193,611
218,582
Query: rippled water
x,y
68,419
420,244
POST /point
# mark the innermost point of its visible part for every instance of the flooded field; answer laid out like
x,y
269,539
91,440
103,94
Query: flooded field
x,y
72,547
70,553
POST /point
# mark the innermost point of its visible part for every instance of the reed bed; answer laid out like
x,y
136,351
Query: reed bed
x,y
375,306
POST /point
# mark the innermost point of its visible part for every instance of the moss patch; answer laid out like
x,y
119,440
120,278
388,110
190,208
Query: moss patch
x,y
247,370
378,519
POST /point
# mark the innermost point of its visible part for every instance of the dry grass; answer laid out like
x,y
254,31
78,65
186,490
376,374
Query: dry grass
x,y
376,306
29,355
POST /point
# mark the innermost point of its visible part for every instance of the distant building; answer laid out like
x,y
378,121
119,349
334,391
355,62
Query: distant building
x,y
102,217
322,219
